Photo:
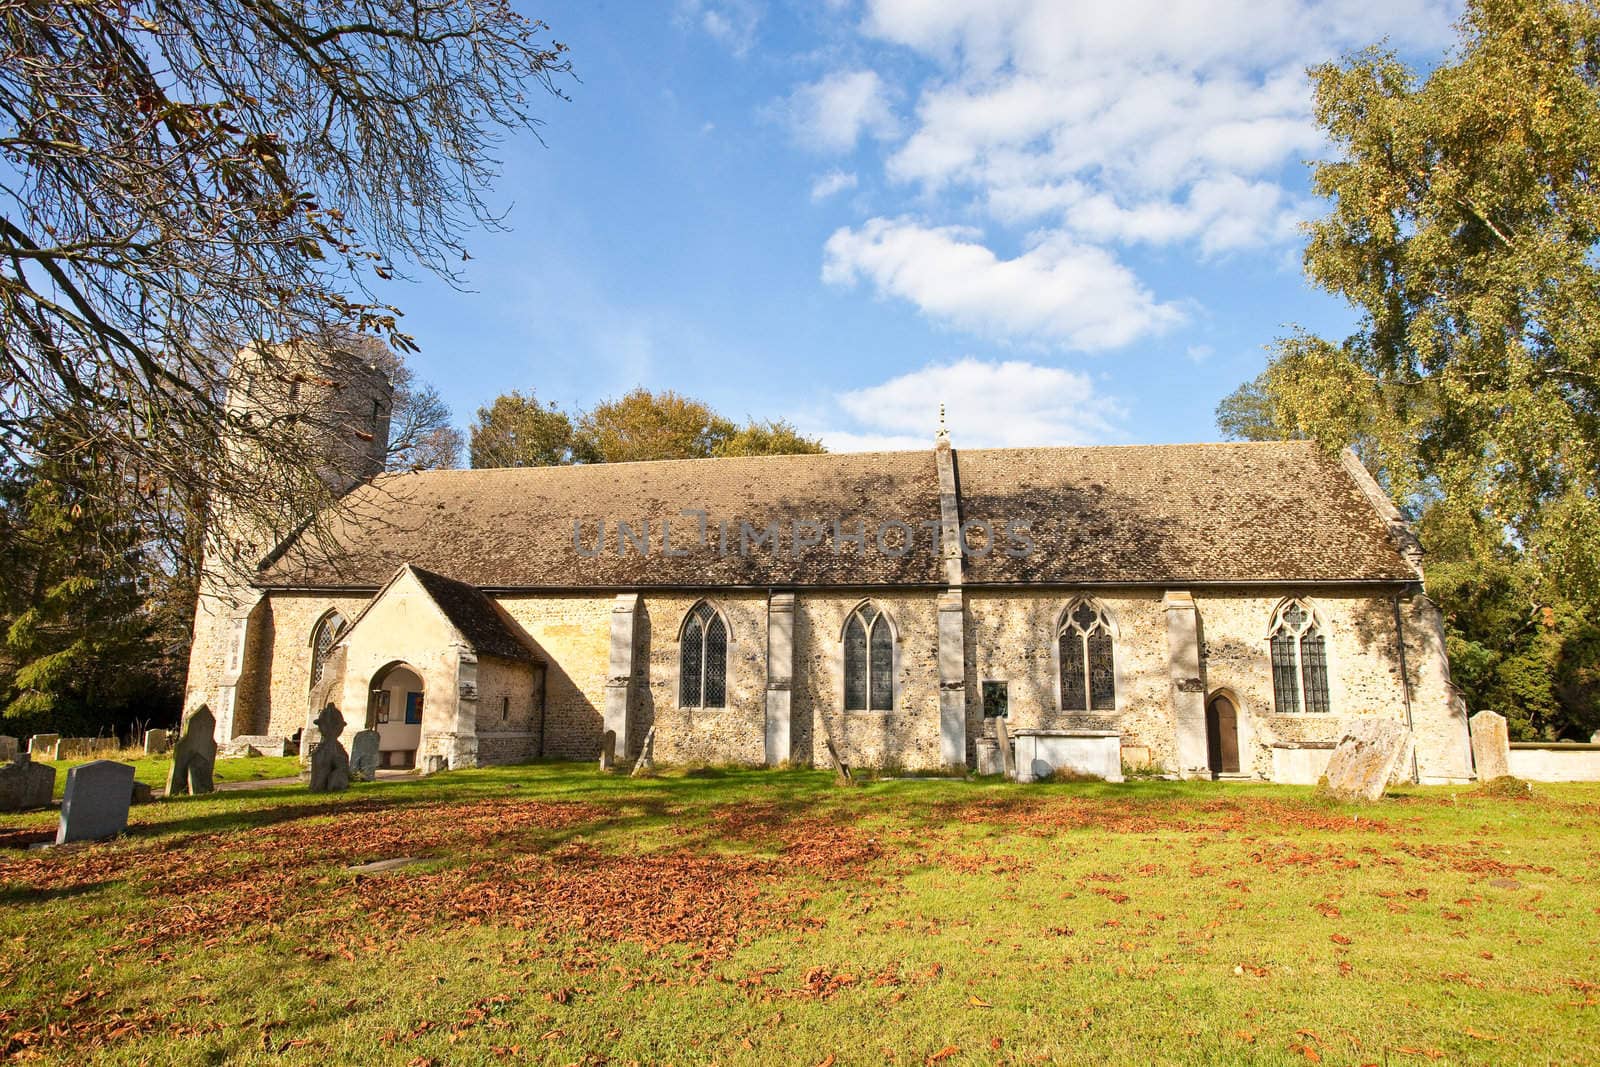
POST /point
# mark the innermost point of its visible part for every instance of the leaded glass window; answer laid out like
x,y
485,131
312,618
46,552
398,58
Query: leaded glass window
x,y
868,661
322,639
703,659
1299,660
1087,656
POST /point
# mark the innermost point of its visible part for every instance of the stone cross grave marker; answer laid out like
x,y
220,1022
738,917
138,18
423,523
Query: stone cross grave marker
x,y
95,805
1491,746
364,756
330,763
1364,760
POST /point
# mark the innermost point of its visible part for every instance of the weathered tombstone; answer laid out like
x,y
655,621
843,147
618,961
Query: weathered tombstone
x,y
8,748
1491,746
156,742
364,756
608,751
646,763
142,794
43,746
95,805
988,751
1364,760
330,763
194,757
1004,737
25,784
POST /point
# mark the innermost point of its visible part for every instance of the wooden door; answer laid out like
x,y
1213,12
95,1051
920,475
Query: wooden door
x,y
1222,736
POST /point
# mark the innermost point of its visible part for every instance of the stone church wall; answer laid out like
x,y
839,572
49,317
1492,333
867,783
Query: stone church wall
x,y
906,738
507,729
1011,637
1363,670
573,635
732,734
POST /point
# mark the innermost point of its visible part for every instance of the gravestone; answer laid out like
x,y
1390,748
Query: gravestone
x,y
8,748
645,766
142,794
608,751
1491,746
156,742
43,745
364,756
95,805
1364,760
194,757
25,784
330,763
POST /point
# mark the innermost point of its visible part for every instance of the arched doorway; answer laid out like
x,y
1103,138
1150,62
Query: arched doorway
x,y
394,709
1222,734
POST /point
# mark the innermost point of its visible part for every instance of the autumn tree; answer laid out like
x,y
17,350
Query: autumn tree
x,y
185,180
519,431
1464,228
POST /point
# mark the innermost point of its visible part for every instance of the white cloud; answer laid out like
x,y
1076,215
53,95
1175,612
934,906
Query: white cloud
x,y
835,181
832,114
733,23
1199,353
1059,292
987,404
1139,121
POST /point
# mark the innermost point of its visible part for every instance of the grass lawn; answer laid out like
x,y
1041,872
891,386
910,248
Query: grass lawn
x,y
154,770
772,917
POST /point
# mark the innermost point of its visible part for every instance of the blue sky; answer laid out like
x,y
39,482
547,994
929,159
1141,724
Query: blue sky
x,y
1072,223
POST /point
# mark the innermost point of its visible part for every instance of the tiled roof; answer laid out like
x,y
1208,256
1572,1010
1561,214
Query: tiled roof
x,y
472,613
1237,512
1178,514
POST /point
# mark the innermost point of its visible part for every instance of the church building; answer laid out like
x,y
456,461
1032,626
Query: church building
x,y
1205,610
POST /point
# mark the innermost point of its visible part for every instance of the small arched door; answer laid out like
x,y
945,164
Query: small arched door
x,y
1222,735
395,711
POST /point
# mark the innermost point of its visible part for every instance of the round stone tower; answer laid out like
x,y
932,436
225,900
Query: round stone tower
x,y
328,403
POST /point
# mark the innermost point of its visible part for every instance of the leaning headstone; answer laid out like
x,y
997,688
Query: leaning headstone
x,y
25,784
364,756
8,748
1491,746
43,745
194,757
1364,760
645,765
608,751
156,742
95,805
330,763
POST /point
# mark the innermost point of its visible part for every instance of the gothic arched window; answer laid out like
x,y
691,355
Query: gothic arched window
x,y
703,659
327,631
1088,663
1299,660
868,660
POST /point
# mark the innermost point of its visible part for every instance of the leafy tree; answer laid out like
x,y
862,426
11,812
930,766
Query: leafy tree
x,y
774,438
1464,227
83,642
1466,214
186,180
644,425
519,431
